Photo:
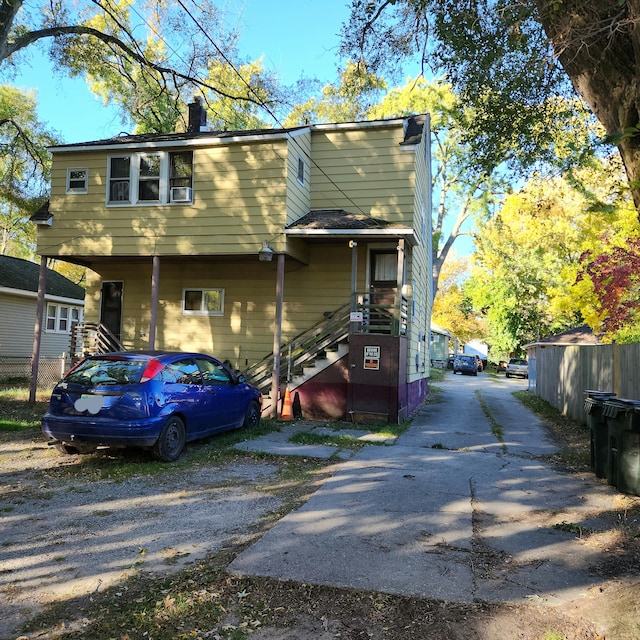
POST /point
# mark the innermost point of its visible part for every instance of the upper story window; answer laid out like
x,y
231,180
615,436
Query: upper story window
x,y
143,178
300,170
77,180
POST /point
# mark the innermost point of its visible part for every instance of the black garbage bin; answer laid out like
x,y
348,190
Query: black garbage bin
x,y
598,430
623,421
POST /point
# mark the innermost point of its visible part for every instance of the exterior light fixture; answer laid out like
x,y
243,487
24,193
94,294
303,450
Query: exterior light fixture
x,y
266,253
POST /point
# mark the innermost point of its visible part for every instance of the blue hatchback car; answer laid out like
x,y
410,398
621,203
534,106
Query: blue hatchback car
x,y
150,399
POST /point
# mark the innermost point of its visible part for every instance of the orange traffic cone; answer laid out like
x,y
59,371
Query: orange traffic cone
x,y
287,407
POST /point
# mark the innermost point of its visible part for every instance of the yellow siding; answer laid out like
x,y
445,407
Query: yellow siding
x,y
364,171
245,193
244,333
298,195
240,196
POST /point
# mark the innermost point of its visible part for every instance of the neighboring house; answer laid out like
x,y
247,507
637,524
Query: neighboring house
x,y
242,244
476,347
63,305
440,346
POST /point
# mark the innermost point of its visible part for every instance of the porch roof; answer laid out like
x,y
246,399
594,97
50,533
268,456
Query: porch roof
x,y
338,223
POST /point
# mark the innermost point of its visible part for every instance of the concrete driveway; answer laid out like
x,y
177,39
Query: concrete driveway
x,y
462,508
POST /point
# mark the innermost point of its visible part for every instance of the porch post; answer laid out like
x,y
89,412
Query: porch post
x,y
155,284
277,337
354,281
399,282
37,331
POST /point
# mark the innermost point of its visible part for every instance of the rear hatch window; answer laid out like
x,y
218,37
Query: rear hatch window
x,y
107,371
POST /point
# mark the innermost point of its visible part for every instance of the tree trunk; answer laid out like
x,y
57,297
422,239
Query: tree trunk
x,y
598,44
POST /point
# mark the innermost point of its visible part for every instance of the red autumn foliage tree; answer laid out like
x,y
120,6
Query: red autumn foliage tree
x,y
615,275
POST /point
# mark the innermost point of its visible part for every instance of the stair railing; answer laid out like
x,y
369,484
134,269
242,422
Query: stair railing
x,y
92,338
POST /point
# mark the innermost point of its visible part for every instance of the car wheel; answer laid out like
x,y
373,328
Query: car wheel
x,y
506,374
66,449
252,416
171,441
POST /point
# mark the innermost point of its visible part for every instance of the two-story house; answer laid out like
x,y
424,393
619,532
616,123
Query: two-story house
x,y
302,256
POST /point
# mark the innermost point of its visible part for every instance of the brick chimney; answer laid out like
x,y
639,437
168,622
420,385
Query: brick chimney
x,y
197,116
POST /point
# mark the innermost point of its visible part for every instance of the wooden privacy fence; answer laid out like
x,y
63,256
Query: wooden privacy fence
x,y
561,374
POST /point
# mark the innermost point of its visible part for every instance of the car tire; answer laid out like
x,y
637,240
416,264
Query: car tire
x,y
171,441
252,416
66,449
506,374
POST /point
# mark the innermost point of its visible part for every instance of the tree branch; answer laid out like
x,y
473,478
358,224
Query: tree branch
x,y
53,32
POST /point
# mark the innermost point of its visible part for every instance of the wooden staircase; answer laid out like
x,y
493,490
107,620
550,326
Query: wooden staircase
x,y
91,338
307,354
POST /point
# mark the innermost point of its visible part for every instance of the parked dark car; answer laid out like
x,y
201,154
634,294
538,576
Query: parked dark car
x,y
465,364
154,400
517,367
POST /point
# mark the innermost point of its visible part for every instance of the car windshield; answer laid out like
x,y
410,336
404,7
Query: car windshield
x,y
107,370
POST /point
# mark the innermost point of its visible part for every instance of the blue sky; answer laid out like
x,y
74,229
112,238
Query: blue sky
x,y
296,37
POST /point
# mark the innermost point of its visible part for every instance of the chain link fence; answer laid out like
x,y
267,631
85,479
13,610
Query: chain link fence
x,y
17,371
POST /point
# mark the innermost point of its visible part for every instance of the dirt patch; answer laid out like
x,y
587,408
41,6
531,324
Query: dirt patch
x,y
145,557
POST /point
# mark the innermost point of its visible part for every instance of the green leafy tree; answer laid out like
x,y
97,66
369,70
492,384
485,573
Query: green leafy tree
x,y
148,57
508,60
452,309
352,100
24,170
528,255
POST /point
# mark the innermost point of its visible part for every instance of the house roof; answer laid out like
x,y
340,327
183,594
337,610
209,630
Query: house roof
x,y
334,223
23,275
578,335
338,219
436,328
42,215
413,129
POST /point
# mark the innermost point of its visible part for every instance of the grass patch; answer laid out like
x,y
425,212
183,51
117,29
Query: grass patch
x,y
17,413
496,428
571,436
342,441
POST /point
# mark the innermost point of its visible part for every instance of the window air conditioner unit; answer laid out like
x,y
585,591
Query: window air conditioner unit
x,y
181,194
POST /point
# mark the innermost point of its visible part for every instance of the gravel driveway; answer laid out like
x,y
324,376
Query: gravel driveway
x,y
66,537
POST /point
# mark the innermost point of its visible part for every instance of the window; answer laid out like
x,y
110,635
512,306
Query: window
x,y
203,302
181,169
149,179
60,318
77,180
119,179
142,178
214,375
181,372
300,170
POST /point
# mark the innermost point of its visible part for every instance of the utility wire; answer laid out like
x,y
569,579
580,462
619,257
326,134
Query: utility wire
x,y
266,107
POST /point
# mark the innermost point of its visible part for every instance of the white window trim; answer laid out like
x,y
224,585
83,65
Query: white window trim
x,y
201,311
84,189
134,179
59,319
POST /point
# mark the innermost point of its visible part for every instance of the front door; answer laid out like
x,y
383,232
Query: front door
x,y
383,286
111,307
